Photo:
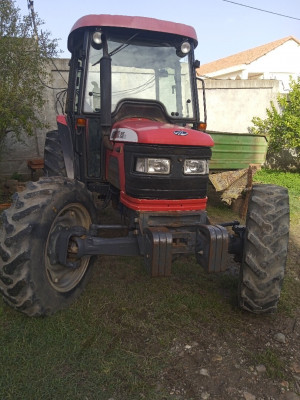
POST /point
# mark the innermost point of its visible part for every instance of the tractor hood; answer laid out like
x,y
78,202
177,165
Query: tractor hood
x,y
141,130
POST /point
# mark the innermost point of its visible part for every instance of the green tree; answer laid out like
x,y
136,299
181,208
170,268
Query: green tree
x,y
23,71
282,125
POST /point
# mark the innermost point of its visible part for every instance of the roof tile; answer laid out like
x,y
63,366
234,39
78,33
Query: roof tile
x,y
244,57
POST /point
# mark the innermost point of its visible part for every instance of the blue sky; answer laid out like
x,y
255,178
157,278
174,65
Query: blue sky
x,y
223,28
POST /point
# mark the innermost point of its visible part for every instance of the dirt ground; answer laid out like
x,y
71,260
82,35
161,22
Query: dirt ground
x,y
261,361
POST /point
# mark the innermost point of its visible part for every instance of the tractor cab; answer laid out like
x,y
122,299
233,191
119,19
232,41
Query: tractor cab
x,y
128,68
118,57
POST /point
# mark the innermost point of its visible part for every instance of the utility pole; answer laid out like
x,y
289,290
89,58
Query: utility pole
x,y
31,9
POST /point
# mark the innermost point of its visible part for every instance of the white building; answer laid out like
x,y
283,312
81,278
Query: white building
x,y
277,60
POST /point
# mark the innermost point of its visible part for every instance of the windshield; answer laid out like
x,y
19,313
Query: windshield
x,y
142,71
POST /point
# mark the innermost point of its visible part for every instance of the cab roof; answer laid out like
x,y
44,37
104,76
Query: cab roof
x,y
142,23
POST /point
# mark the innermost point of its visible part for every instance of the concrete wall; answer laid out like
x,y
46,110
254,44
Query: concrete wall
x,y
230,106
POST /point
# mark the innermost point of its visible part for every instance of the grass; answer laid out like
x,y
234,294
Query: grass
x,y
291,290
116,340
289,180
275,366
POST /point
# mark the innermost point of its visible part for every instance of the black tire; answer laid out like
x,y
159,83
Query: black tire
x,y
28,280
265,249
54,164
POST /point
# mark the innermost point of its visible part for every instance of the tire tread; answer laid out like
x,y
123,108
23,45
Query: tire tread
x,y
265,249
21,227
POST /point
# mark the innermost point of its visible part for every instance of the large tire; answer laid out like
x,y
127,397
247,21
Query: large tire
x,y
265,249
29,282
54,164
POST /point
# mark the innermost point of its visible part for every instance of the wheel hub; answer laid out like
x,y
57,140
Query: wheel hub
x,y
64,269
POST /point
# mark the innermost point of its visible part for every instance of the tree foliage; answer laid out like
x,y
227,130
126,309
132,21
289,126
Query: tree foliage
x,y
282,125
23,71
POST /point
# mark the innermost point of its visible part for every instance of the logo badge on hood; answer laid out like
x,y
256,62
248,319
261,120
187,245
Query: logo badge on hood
x,y
180,133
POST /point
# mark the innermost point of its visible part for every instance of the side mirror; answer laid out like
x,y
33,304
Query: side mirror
x,y
196,64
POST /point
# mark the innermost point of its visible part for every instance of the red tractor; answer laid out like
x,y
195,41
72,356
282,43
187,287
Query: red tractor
x,y
132,136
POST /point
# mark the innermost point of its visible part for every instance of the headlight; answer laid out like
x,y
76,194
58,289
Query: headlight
x,y
153,165
195,167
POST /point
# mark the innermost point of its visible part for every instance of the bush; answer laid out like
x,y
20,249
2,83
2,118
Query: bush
x,y
282,125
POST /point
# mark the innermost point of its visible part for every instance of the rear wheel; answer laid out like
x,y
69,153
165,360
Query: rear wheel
x,y
54,164
32,281
265,249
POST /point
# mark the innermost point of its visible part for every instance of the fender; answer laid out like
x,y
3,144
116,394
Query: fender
x,y
67,145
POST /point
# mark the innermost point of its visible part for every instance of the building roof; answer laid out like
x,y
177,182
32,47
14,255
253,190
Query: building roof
x,y
244,57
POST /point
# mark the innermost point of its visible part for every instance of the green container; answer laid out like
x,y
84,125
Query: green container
x,y
237,150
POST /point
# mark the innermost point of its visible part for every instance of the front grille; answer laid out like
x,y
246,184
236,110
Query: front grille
x,y
174,186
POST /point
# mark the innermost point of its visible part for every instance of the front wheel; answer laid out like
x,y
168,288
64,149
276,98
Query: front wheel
x,y
32,281
265,249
